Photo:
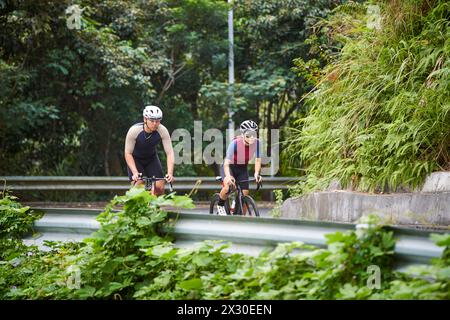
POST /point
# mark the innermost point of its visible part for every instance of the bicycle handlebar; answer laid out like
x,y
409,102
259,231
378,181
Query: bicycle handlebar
x,y
151,179
258,184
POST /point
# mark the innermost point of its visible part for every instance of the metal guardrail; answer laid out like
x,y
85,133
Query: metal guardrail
x,y
248,235
73,183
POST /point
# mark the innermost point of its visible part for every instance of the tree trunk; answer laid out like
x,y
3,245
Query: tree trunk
x,y
107,146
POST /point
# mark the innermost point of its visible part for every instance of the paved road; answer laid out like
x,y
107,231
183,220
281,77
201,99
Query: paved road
x,y
201,207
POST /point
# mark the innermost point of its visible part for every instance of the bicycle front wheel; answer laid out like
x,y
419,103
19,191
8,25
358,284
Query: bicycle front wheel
x,y
213,205
250,206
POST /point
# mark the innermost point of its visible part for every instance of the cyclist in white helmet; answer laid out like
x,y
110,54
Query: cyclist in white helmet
x,y
235,168
140,149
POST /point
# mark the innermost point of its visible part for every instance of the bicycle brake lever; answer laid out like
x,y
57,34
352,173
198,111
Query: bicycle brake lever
x,y
258,186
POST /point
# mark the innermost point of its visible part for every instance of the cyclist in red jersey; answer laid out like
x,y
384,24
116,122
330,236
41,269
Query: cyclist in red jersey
x,y
235,167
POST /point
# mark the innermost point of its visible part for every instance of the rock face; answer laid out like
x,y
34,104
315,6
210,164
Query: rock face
x,y
437,182
431,207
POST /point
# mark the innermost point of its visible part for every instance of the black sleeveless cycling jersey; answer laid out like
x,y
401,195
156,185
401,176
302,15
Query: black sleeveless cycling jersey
x,y
142,145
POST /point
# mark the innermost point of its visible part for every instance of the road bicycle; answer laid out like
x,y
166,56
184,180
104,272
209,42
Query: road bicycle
x,y
236,200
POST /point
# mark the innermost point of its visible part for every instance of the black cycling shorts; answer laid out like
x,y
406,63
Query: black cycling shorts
x,y
149,168
240,173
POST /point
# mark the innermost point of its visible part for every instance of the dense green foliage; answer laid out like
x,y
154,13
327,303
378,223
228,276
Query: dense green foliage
x,y
380,113
369,106
15,220
68,96
132,257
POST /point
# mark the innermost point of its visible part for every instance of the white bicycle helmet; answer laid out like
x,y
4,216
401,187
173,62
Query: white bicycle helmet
x,y
152,112
248,125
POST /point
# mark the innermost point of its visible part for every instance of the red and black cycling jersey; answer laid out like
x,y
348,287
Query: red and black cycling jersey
x,y
240,153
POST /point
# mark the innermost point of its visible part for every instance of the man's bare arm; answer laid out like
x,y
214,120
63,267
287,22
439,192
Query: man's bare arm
x,y
132,165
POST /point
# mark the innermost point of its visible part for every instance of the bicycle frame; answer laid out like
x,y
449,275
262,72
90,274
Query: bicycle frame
x,y
240,193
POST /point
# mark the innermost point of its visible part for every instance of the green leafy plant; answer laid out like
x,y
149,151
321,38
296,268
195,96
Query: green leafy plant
x,y
132,256
276,211
15,220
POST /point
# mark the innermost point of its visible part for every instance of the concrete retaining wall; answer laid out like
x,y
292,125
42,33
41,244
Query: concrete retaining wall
x,y
430,207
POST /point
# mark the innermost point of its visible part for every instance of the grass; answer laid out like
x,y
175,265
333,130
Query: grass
x,y
379,117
